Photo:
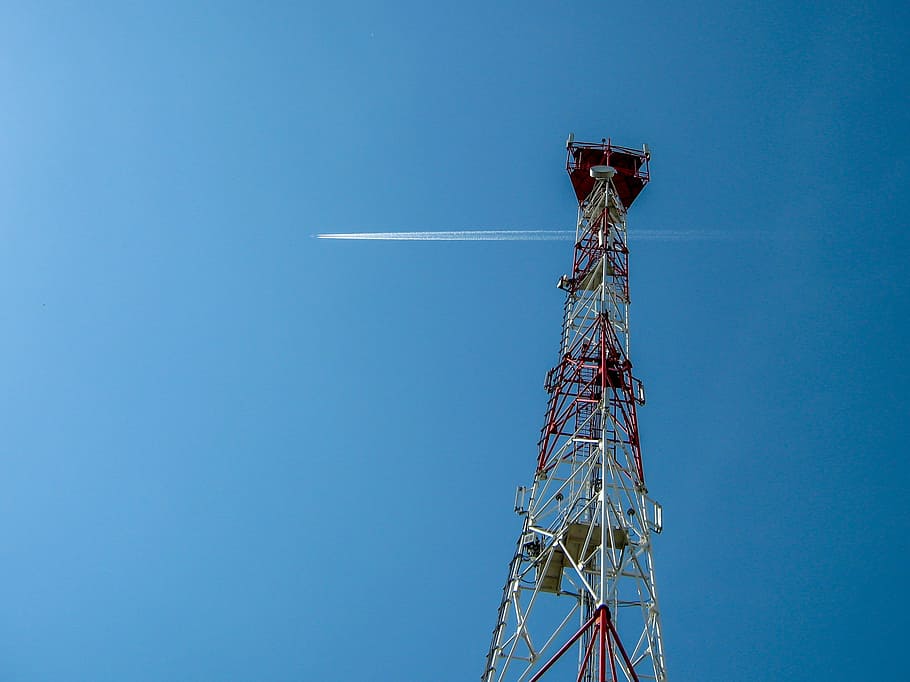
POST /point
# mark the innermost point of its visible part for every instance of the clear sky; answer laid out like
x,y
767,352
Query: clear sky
x,y
230,451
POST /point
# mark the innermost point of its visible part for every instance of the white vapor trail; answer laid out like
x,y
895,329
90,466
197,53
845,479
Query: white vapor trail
x,y
457,235
520,235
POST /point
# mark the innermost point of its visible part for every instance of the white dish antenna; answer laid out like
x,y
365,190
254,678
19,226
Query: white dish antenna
x,y
602,172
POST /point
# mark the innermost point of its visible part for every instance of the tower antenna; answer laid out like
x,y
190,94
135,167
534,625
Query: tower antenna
x,y
582,575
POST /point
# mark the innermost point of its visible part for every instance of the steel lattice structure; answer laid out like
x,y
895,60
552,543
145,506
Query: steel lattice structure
x,y
582,575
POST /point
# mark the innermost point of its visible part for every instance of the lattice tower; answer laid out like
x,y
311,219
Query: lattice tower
x,y
582,576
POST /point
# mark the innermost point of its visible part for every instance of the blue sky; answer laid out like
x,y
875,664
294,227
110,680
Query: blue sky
x,y
229,451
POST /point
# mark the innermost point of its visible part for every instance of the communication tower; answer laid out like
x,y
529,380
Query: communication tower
x,y
582,576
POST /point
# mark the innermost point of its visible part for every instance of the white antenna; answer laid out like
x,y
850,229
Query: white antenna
x,y
602,172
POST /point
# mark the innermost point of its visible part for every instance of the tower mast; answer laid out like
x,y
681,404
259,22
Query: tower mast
x,y
582,575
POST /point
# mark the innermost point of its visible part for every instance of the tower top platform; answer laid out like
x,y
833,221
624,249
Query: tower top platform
x,y
632,170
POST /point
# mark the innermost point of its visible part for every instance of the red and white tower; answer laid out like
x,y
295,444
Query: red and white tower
x,y
580,601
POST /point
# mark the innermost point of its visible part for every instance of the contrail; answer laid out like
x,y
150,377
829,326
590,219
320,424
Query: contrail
x,y
523,235
457,235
